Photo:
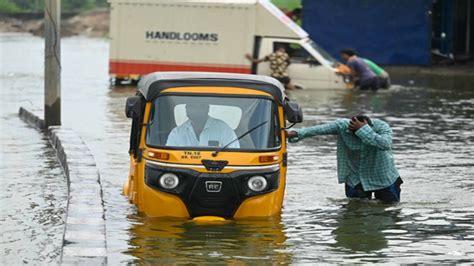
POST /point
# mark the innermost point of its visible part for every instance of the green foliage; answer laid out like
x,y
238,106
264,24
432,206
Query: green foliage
x,y
12,6
287,4
6,6
77,5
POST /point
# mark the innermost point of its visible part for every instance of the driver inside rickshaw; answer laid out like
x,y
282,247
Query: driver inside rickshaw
x,y
200,129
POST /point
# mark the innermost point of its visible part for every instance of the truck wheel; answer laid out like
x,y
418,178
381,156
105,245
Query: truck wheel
x,y
298,87
117,81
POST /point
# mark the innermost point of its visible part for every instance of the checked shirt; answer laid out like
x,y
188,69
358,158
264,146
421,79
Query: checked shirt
x,y
364,157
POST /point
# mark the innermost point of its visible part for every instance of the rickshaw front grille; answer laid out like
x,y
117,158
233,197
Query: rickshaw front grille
x,y
223,202
201,200
212,202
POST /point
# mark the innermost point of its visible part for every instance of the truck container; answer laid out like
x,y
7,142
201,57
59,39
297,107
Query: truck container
x,y
212,36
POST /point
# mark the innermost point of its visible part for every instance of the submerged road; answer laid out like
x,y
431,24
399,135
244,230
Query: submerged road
x,y
433,147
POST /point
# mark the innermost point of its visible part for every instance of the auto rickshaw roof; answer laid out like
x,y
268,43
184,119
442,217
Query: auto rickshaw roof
x,y
151,85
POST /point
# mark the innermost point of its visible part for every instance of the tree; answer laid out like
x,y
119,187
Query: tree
x,y
9,6
6,6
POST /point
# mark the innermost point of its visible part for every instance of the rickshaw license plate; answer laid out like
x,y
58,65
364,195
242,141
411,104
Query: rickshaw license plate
x,y
213,186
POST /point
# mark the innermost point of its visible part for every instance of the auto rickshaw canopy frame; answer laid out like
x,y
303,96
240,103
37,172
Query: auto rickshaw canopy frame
x,y
151,85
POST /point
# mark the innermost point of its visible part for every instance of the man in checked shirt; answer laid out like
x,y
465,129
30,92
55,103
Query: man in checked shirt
x,y
279,62
364,156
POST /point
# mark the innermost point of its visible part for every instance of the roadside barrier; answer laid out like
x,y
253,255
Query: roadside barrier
x,y
85,239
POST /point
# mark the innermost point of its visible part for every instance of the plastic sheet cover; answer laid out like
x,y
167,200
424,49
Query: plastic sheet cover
x,y
389,32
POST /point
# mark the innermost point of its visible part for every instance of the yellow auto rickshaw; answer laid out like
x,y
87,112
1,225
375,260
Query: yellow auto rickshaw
x,y
208,146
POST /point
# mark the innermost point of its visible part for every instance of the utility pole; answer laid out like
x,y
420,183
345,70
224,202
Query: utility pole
x,y
52,63
468,27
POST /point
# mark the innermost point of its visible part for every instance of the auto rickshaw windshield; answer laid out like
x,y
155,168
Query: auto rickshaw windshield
x,y
208,122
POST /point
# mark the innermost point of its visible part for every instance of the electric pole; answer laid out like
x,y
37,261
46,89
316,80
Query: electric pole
x,y
52,63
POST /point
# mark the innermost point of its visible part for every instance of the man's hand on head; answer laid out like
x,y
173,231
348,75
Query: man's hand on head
x,y
355,124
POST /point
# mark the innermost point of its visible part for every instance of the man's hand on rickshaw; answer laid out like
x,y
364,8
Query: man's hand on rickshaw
x,y
292,136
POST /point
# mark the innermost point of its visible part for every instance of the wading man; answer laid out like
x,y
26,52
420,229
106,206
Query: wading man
x,y
382,75
364,77
279,62
364,156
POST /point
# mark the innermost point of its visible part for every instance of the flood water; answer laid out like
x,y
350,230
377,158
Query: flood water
x,y
432,121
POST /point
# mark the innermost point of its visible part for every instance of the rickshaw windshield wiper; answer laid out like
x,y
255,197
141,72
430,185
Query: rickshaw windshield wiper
x,y
214,154
149,124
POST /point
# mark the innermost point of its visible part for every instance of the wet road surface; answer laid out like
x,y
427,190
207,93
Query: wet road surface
x,y
432,120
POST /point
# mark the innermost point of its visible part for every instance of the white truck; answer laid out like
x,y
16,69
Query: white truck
x,y
212,36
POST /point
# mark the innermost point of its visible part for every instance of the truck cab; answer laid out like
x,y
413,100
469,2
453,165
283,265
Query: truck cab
x,y
310,66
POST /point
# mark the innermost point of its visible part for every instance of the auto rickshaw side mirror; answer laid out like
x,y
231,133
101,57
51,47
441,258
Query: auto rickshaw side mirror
x,y
133,107
293,112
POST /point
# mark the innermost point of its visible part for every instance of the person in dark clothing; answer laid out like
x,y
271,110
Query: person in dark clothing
x,y
360,71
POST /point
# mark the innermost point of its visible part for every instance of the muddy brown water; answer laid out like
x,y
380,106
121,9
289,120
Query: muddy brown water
x,y
432,120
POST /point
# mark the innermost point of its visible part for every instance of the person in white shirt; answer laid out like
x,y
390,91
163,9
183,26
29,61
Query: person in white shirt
x,y
202,130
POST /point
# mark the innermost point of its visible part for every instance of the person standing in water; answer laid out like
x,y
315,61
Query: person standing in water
x,y
279,62
365,161
364,77
382,75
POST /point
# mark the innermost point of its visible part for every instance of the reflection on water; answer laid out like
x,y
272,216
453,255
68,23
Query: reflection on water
x,y
161,241
33,189
360,225
433,148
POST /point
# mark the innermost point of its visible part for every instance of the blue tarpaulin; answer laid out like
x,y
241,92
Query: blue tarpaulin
x,y
389,32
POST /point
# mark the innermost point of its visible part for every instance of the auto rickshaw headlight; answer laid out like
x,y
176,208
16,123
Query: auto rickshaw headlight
x,y
169,181
257,183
